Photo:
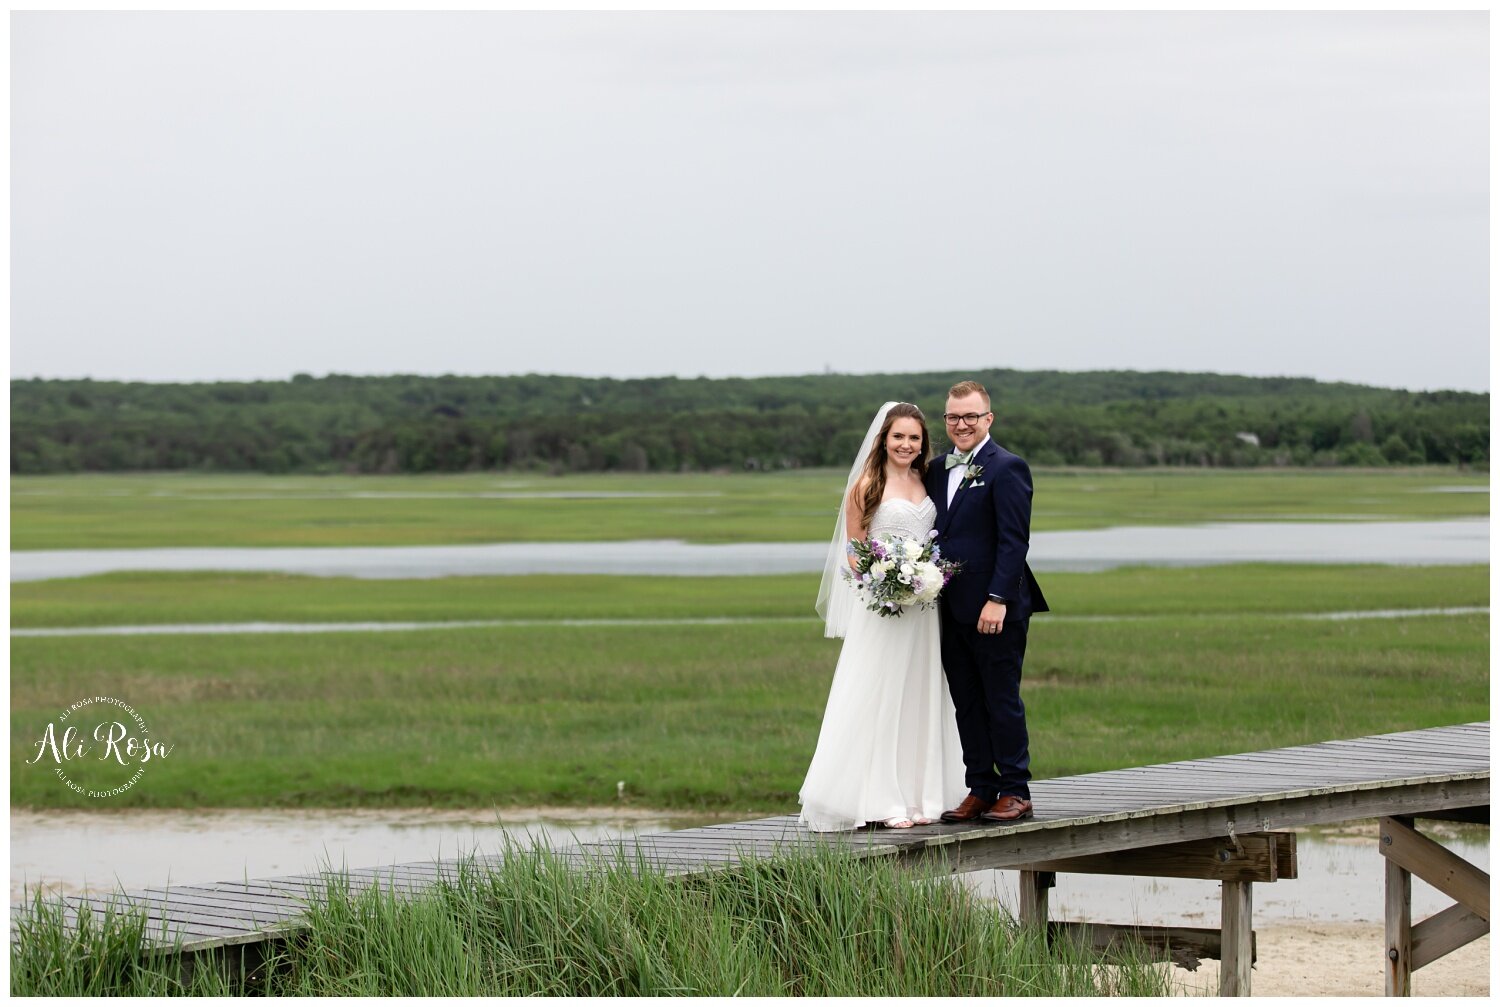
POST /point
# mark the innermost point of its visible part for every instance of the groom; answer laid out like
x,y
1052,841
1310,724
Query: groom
x,y
983,498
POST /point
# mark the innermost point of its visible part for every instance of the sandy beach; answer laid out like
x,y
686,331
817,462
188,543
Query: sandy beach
x,y
1341,959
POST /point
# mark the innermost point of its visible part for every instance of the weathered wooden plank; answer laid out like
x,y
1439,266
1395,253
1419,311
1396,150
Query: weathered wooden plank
x,y
357,883
155,915
1010,847
1438,736
1444,932
1438,866
1254,859
806,842
244,902
413,874
246,893
1274,778
747,828
414,879
1335,752
1286,855
792,829
658,856
1478,816
731,836
1374,767
1183,946
153,906
1461,743
783,821
168,933
206,920
1241,778
665,868
1396,754
310,887
1168,781
615,857
234,912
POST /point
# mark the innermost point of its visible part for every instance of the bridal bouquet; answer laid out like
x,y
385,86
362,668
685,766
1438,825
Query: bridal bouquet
x,y
893,573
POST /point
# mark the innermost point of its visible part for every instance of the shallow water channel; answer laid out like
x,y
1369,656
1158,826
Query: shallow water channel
x,y
1400,542
1340,877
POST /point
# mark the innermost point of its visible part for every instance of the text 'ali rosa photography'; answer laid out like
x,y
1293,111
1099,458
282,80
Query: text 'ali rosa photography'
x,y
97,747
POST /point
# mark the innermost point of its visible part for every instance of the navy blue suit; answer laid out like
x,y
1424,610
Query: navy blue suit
x,y
988,530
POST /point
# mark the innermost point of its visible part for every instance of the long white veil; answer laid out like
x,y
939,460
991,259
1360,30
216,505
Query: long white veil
x,y
835,595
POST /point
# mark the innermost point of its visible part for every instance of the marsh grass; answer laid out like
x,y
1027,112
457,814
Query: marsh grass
x,y
725,717
97,953
823,924
107,511
139,598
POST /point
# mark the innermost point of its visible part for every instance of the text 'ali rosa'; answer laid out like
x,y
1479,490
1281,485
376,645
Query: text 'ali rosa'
x,y
105,739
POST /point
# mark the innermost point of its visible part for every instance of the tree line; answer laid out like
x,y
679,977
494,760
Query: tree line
x,y
412,424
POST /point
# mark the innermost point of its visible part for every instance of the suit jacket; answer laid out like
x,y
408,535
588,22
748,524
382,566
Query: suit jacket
x,y
988,530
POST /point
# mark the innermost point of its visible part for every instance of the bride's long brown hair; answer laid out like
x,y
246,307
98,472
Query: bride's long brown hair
x,y
875,464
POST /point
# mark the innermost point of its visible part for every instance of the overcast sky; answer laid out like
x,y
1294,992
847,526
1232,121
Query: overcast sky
x,y
236,196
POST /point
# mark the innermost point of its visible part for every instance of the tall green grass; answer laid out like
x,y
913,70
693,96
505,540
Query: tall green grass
x,y
103,952
825,924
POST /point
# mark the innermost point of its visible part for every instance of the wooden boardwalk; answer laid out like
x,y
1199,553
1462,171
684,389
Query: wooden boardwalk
x,y
1436,772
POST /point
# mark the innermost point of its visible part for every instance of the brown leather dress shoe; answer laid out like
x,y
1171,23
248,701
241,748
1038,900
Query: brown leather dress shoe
x,y
1008,808
968,810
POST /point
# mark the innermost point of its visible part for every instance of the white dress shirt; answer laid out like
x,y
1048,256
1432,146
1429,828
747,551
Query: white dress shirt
x,y
956,473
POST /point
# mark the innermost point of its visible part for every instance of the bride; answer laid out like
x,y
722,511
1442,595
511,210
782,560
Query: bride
x,y
888,752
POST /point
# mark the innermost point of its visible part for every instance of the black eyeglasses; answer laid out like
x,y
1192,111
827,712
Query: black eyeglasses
x,y
954,419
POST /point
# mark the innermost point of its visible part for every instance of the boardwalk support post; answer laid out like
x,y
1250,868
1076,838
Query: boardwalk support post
x,y
1238,953
1034,885
1236,861
1408,947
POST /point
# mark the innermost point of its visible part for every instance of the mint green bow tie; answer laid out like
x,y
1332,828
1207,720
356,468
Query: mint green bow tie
x,y
953,461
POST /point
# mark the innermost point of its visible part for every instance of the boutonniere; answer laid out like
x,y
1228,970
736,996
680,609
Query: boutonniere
x,y
972,474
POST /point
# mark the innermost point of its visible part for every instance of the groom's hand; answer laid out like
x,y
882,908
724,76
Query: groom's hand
x,y
992,617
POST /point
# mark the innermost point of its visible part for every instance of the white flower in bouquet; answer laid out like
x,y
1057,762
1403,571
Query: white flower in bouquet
x,y
928,582
912,548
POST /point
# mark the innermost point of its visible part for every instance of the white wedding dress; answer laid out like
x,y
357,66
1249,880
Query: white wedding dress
x,y
889,745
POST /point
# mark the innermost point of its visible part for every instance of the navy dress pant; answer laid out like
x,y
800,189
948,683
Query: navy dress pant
x,y
984,679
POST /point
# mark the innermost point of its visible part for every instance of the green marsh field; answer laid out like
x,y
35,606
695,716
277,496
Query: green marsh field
x,y
137,511
697,693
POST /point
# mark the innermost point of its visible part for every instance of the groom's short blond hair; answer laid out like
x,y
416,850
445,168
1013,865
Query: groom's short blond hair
x,y
963,388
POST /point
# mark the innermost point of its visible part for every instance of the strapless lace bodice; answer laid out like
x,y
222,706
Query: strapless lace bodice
x,y
904,518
